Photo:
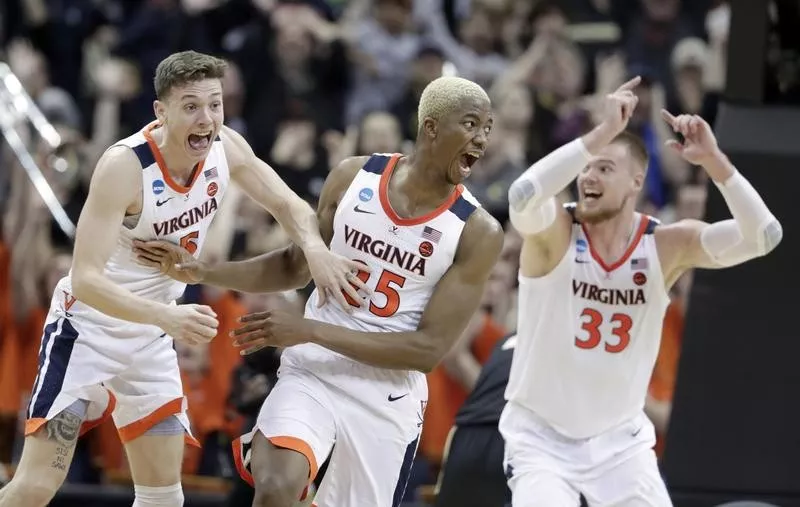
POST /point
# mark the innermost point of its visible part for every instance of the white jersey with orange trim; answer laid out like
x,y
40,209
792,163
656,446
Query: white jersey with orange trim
x,y
407,257
170,211
366,419
588,335
125,369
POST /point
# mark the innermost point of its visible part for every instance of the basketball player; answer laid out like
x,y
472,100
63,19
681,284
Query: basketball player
x,y
107,345
593,289
357,380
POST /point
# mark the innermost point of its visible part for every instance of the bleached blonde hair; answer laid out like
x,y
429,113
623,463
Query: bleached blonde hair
x,y
445,94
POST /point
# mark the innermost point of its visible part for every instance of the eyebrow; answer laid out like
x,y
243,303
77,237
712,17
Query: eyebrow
x,y
193,96
604,161
475,116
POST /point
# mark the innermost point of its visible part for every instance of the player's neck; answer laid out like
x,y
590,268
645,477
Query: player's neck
x,y
426,181
179,165
611,237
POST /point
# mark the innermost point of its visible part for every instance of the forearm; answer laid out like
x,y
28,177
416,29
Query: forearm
x,y
301,224
275,271
754,230
97,291
412,350
531,197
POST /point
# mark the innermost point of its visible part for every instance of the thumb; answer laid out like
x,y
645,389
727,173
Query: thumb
x,y
675,145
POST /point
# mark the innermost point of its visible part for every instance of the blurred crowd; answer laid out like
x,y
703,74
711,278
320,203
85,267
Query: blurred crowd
x,y
311,82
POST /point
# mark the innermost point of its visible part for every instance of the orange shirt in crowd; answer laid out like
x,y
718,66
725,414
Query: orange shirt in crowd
x,y
208,395
9,344
662,383
446,395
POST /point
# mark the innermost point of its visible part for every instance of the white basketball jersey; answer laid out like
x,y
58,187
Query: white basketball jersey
x,y
407,257
588,335
170,211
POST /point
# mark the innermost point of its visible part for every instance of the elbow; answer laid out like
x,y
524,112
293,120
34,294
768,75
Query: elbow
x,y
81,285
429,355
426,364
295,263
773,235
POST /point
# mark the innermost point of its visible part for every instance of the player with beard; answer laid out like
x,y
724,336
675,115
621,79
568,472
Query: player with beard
x,y
593,288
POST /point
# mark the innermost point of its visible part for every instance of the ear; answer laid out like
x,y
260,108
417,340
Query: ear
x,y
160,109
431,127
638,180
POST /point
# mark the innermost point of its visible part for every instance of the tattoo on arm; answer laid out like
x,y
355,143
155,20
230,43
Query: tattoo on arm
x,y
63,429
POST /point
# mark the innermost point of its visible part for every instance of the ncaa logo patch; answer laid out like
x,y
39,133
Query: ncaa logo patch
x,y
581,246
365,194
158,187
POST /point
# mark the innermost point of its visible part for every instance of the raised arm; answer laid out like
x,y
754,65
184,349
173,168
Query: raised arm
x,y
329,271
533,209
278,270
454,300
531,197
753,232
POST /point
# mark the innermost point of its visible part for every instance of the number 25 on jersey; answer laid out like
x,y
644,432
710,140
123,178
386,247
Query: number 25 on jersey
x,y
388,283
621,327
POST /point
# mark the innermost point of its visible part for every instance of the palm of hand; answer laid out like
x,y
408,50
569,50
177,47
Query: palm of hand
x,y
697,150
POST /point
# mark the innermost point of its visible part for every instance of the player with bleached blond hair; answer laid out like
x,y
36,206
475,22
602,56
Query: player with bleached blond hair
x,y
352,385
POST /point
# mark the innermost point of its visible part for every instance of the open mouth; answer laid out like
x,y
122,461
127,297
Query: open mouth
x,y
466,161
200,142
590,195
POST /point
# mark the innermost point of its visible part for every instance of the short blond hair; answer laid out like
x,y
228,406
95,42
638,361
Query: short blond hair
x,y
445,94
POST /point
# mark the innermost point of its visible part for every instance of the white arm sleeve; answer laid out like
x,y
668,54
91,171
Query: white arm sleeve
x,y
531,198
753,232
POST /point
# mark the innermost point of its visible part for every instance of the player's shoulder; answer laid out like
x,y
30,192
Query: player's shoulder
x,y
119,160
118,173
238,152
677,233
345,171
230,137
482,236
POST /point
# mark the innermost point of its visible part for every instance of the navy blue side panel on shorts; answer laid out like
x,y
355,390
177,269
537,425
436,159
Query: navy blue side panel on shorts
x,y
57,359
405,473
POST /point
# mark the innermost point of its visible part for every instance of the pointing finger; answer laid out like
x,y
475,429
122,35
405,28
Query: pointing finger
x,y
631,84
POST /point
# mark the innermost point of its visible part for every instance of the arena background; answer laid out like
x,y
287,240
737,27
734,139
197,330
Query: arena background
x,y
314,81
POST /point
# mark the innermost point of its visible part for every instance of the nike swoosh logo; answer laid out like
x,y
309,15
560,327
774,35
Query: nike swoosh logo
x,y
395,398
359,210
636,432
161,203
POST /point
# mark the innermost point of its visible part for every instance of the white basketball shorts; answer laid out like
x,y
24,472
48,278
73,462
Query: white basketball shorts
x,y
125,370
616,468
367,419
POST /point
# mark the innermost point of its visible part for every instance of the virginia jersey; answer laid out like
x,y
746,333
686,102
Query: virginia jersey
x,y
588,335
170,211
407,256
